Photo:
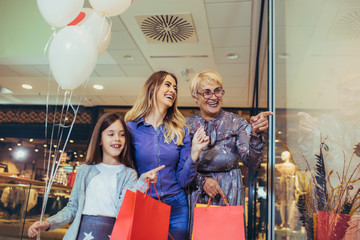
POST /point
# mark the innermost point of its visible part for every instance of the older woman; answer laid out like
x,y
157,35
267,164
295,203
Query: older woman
x,y
232,140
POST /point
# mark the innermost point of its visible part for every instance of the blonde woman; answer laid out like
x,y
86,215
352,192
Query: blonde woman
x,y
232,140
159,137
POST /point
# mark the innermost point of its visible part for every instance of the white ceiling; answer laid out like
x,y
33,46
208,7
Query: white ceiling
x,y
222,27
316,43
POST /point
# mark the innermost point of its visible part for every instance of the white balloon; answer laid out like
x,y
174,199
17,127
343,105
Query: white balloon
x,y
72,56
59,13
110,7
98,27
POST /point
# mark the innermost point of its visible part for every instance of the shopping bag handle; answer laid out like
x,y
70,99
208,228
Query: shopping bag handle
x,y
147,182
157,194
223,197
151,186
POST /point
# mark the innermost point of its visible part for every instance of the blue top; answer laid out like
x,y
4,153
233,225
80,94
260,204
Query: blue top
x,y
149,151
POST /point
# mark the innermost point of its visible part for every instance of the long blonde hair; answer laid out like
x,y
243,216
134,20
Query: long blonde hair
x,y
174,121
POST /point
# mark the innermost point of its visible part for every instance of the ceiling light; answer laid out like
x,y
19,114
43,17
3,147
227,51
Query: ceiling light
x,y
98,87
55,146
81,155
31,139
283,56
19,144
232,56
75,153
10,149
128,58
20,154
26,86
36,149
45,145
71,141
2,139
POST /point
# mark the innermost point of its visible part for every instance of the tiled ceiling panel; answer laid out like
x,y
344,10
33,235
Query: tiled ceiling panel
x,y
230,37
233,14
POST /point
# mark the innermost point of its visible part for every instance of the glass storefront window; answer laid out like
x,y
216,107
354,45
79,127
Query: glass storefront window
x,y
317,79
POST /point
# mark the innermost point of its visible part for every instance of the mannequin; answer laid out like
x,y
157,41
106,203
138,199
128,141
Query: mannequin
x,y
287,172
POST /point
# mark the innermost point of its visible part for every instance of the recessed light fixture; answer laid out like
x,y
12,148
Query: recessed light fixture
x,y
26,86
98,87
232,56
283,56
128,57
71,141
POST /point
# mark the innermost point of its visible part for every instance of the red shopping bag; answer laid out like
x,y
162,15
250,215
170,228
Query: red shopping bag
x,y
218,222
141,217
331,226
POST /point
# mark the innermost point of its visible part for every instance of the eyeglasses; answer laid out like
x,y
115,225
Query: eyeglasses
x,y
207,94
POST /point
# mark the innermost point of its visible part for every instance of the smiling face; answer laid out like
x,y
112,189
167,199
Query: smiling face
x,y
349,99
211,107
166,95
113,142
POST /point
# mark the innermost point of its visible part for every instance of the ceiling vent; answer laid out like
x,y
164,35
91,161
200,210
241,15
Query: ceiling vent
x,y
346,25
174,28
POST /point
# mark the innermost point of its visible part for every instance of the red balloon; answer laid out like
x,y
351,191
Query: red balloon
x,y
78,19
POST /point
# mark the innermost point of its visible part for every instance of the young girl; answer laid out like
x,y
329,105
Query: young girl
x,y
159,137
100,184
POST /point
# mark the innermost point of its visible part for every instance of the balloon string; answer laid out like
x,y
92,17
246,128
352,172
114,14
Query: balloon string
x,y
109,31
49,175
48,42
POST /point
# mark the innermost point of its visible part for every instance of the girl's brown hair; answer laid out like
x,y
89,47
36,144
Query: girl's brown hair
x,y
174,121
95,152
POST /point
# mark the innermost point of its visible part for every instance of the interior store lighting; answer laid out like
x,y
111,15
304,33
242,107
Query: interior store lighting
x,y
20,153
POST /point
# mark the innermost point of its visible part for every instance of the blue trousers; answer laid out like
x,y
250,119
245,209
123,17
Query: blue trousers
x,y
178,216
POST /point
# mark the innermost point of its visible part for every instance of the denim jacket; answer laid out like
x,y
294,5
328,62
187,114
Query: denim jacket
x,y
126,179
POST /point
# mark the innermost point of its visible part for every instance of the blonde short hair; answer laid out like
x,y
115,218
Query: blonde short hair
x,y
207,75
